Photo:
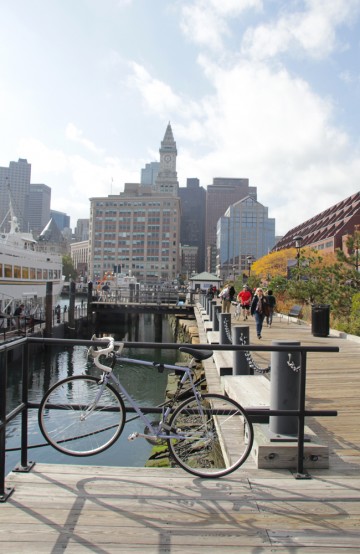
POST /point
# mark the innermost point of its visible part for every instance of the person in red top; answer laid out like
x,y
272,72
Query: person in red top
x,y
244,298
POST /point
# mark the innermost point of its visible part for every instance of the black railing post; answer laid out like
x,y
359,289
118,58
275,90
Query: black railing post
x,y
48,309
72,304
301,432
24,465
4,491
89,300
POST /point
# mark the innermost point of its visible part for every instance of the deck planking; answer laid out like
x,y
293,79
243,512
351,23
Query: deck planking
x,y
78,509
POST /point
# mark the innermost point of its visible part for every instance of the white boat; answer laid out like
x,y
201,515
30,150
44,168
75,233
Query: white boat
x,y
115,284
25,268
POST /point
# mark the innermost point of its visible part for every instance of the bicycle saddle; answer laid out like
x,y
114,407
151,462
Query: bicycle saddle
x,y
197,354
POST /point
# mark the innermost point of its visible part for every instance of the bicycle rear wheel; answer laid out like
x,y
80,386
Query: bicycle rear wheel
x,y
215,435
77,420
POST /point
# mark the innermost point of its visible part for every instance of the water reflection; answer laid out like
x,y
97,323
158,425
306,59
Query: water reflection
x,y
48,366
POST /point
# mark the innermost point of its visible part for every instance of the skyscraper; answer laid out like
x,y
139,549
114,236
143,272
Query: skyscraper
x,y
61,219
149,173
219,196
16,179
192,226
39,207
244,230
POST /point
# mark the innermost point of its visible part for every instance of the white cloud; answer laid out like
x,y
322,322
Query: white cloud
x,y
311,31
272,128
73,178
76,135
156,94
205,22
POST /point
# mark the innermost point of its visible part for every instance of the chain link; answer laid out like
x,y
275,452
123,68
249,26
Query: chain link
x,y
227,329
249,358
292,365
252,364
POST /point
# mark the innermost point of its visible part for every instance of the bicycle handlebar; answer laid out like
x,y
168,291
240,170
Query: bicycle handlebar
x,y
101,352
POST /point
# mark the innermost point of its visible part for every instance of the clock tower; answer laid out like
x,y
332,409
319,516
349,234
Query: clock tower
x,y
166,181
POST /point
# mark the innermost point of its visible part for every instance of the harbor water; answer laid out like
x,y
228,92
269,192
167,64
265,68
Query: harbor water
x,y
48,366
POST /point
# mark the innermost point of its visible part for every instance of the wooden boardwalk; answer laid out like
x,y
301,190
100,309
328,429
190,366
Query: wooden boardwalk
x,y
78,509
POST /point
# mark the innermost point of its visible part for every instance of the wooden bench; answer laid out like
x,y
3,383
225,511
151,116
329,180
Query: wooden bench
x,y
295,312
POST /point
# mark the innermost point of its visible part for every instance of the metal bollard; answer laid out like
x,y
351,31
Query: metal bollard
x,y
212,309
285,389
225,329
216,320
240,335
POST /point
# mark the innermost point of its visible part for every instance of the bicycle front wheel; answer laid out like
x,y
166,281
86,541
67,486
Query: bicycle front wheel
x,y
81,416
213,435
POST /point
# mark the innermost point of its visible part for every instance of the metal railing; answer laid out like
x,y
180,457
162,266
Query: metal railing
x,y
13,326
24,406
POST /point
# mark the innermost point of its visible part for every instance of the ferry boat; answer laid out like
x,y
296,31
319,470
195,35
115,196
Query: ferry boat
x,y
25,268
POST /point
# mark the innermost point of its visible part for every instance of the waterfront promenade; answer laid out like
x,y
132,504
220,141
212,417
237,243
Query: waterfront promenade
x,y
78,509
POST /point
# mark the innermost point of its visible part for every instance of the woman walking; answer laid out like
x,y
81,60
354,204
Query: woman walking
x,y
259,309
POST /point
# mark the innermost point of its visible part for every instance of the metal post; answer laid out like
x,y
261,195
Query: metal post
x,y
4,491
48,308
285,389
212,309
89,299
240,335
25,466
72,305
225,329
132,292
216,320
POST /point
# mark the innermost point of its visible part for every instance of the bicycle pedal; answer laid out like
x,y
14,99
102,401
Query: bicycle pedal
x,y
133,436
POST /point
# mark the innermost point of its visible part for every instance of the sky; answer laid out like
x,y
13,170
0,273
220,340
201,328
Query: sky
x,y
267,90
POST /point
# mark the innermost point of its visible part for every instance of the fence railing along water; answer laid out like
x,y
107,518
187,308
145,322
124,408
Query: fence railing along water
x,y
21,346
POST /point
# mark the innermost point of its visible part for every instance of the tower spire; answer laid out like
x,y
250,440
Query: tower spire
x,y
166,181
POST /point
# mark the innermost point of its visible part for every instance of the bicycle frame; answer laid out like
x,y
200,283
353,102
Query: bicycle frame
x,y
159,432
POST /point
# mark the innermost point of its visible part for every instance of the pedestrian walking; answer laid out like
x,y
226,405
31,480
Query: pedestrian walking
x,y
271,300
244,298
259,309
225,299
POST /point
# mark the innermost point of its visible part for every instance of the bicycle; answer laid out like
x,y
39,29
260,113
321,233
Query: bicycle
x,y
237,312
208,435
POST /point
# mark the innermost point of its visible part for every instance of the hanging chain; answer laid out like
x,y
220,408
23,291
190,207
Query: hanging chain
x,y
227,330
249,358
292,365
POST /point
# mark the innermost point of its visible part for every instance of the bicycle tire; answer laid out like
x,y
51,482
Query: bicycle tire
x,y
215,442
70,425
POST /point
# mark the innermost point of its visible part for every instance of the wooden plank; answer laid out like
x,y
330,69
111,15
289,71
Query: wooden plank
x,y
80,509
248,390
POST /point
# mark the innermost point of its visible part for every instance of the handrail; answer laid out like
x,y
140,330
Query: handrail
x,y
25,405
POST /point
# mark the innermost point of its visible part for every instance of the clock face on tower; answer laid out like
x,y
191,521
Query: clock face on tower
x,y
167,158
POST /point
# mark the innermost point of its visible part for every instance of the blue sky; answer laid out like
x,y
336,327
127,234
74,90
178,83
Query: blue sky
x,y
264,89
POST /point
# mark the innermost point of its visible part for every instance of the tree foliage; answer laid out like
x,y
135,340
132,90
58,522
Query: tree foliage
x,y
317,278
68,268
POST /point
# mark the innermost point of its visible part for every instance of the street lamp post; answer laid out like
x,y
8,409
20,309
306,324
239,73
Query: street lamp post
x,y
298,240
249,261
